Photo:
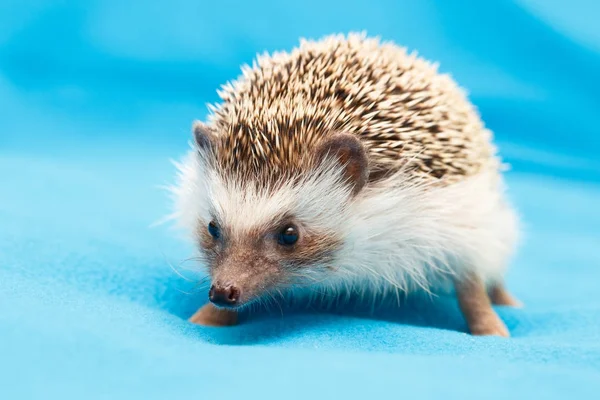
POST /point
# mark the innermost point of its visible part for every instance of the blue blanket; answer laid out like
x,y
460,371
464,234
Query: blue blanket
x,y
94,101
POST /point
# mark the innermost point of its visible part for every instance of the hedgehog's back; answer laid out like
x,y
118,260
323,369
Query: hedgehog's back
x,y
397,103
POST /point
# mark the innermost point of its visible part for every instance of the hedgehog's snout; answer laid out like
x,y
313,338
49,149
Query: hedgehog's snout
x,y
224,295
241,276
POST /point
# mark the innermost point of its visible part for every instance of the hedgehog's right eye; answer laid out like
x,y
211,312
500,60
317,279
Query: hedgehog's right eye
x,y
214,230
288,236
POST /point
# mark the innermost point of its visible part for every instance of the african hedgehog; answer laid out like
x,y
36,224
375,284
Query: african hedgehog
x,y
346,165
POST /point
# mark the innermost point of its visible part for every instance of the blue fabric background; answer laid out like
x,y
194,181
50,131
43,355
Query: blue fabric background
x,y
97,96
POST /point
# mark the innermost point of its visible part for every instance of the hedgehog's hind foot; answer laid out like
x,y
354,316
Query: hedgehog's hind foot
x,y
477,309
501,297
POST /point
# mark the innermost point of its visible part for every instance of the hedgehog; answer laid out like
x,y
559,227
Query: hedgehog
x,y
346,166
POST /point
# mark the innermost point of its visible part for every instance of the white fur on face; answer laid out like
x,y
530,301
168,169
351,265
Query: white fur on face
x,y
318,202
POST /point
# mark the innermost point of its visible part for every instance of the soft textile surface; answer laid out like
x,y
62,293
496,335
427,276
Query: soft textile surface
x,y
95,99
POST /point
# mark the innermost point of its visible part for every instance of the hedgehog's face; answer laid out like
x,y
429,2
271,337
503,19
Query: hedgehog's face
x,y
257,238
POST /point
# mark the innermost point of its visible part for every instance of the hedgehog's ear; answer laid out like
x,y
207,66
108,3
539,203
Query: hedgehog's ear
x,y
204,138
349,152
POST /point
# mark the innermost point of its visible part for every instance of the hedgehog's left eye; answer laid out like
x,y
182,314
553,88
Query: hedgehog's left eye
x,y
214,230
288,236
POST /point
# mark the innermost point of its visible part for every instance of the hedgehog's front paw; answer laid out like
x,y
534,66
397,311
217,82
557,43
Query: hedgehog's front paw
x,y
210,315
488,324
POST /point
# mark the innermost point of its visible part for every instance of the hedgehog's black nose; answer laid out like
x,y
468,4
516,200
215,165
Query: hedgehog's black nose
x,y
224,295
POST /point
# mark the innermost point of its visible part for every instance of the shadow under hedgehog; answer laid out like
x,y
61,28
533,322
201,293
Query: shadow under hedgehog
x,y
347,165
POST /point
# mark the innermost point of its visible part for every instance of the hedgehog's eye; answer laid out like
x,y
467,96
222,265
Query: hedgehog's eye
x,y
214,230
288,236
